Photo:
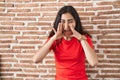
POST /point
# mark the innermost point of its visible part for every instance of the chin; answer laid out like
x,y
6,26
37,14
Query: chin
x,y
67,36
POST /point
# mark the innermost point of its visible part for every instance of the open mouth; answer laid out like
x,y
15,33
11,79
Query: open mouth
x,y
66,30
67,33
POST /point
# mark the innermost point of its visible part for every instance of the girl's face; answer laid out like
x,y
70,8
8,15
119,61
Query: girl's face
x,y
66,20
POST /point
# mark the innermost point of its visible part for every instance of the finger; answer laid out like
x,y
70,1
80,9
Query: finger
x,y
58,26
72,35
61,27
54,30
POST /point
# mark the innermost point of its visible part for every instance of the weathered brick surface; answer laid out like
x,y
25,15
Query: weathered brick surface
x,y
24,27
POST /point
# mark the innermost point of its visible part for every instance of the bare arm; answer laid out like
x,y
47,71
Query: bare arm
x,y
40,54
90,53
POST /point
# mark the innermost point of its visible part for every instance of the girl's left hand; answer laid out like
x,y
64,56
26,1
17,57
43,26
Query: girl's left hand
x,y
76,34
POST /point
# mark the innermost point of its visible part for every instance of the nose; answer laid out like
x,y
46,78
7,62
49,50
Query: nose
x,y
66,26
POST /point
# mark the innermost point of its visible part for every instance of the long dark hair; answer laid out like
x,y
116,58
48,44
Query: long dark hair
x,y
73,12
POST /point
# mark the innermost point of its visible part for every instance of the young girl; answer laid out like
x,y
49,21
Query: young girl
x,y
71,46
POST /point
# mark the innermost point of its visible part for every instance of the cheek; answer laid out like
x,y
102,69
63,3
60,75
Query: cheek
x,y
74,25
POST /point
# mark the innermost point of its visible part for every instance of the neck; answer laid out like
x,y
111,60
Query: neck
x,y
67,38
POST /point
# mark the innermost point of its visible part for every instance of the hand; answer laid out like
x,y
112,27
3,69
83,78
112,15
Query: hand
x,y
59,32
76,34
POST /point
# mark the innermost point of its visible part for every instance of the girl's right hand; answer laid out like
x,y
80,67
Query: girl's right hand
x,y
59,32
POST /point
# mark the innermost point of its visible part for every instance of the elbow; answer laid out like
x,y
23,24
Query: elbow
x,y
94,63
35,60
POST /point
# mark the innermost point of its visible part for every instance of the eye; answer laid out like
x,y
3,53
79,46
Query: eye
x,y
62,21
70,21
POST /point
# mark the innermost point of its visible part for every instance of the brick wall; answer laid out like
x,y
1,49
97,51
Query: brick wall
x,y
24,27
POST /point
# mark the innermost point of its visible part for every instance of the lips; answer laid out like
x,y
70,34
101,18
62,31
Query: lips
x,y
67,32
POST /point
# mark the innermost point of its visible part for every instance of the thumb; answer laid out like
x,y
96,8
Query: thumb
x,y
54,30
72,35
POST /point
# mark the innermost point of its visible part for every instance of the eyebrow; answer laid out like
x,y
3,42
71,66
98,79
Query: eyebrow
x,y
68,19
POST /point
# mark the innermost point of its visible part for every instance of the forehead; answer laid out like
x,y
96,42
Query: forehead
x,y
67,16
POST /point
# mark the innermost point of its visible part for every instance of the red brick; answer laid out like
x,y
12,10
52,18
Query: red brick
x,y
43,0
109,12
34,32
53,4
46,66
39,24
5,65
7,14
5,19
26,61
108,76
35,70
116,6
114,22
110,31
46,19
26,28
12,23
8,41
6,5
71,0
86,14
27,5
108,66
44,9
113,56
105,3
7,74
109,27
11,78
110,41
18,10
10,51
24,19
6,37
18,0
28,14
99,8
9,32
30,42
101,17
24,56
80,4
9,60
6,28
111,51
108,46
27,37
11,70
2,0
108,37
2,10
48,76
4,46
27,75
23,47
24,66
